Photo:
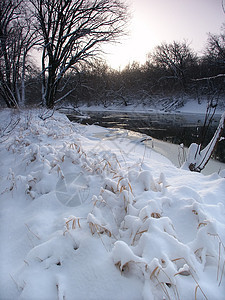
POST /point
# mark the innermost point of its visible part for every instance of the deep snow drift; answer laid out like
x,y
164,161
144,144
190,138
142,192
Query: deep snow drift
x,y
88,216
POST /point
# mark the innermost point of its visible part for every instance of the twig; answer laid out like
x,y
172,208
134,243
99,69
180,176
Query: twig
x,y
32,232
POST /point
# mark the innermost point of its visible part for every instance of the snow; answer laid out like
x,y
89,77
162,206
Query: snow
x,y
190,106
199,158
86,214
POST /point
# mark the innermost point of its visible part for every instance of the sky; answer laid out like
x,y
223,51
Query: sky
x,y
155,21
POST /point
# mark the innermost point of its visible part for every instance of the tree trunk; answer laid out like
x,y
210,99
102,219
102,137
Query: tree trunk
x,y
50,90
23,95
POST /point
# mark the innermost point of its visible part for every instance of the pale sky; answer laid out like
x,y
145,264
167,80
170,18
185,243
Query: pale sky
x,y
156,21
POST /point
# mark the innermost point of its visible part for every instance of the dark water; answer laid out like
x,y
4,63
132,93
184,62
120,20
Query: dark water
x,y
174,128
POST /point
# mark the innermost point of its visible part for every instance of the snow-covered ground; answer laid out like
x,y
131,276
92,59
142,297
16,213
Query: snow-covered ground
x,y
85,215
190,106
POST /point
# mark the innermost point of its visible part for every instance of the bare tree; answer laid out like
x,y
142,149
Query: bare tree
x,y
216,46
175,58
29,39
71,32
9,43
215,57
16,39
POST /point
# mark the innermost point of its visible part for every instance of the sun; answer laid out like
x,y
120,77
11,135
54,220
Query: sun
x,y
132,48
142,37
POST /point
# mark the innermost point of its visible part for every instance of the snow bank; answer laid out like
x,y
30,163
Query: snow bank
x,y
189,105
98,218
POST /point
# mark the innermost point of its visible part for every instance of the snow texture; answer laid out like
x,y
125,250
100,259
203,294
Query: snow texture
x,y
85,215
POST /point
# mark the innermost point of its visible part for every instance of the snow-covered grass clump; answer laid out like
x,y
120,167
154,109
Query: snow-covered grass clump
x,y
88,216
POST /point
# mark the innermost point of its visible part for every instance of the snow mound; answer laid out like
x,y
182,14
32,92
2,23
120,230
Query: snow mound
x,y
103,219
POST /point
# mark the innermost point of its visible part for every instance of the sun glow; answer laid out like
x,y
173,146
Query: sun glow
x,y
135,46
156,21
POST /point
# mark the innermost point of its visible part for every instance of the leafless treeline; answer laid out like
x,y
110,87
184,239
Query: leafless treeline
x,y
173,72
69,33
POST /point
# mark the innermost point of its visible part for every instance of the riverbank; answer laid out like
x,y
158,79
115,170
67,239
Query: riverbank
x,y
190,106
84,213
175,153
175,127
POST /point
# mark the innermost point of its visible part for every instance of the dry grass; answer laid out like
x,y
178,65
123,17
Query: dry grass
x,y
73,223
123,191
190,272
221,259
